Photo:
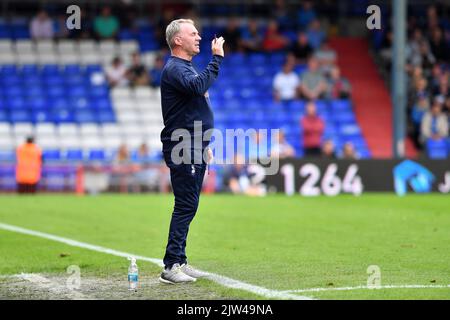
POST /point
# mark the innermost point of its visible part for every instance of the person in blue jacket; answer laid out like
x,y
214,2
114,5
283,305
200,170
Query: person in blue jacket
x,y
185,106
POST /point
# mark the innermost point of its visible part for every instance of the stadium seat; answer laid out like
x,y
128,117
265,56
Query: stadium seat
x,y
53,155
74,155
437,149
97,155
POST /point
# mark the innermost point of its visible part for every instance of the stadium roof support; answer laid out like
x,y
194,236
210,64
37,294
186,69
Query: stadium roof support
x,y
399,77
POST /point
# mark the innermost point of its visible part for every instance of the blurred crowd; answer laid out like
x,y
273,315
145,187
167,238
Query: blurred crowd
x,y
428,69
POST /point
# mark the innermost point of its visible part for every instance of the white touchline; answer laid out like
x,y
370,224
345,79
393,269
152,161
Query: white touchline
x,y
405,286
222,280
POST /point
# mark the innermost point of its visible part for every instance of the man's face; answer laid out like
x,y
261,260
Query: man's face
x,y
310,109
189,39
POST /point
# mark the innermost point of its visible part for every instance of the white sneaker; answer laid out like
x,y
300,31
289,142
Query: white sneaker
x,y
175,275
194,273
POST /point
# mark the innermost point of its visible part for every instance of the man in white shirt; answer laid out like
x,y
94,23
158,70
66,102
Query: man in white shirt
x,y
41,26
286,83
116,73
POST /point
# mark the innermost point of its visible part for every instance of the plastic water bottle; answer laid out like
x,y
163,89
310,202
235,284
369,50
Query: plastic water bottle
x,y
133,275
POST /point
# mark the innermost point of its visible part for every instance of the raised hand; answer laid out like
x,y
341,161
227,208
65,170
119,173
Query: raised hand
x,y
217,46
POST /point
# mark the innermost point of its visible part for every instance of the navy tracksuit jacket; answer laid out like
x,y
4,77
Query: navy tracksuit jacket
x,y
184,100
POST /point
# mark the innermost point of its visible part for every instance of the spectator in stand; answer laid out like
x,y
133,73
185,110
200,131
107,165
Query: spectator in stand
x,y
328,151
252,38
432,18
313,128
106,26
419,109
435,78
286,84
446,110
122,170
313,83
41,26
326,57
349,152
420,89
116,73
156,71
61,31
233,35
338,86
386,49
122,156
273,39
442,89
145,156
147,177
424,57
137,73
281,149
434,123
301,48
305,15
315,34
280,12
413,45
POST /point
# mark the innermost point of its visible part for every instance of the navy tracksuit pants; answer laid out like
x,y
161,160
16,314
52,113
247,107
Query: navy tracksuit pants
x,y
187,180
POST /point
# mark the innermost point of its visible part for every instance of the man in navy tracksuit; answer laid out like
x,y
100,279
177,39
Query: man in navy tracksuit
x,y
185,104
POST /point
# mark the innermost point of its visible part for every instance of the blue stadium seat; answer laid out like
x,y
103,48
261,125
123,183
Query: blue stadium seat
x,y
437,149
99,91
51,155
72,69
15,103
341,105
76,91
7,156
8,70
38,116
35,92
30,70
105,116
13,91
4,116
344,117
56,91
74,155
97,155
31,80
101,104
51,69
11,80
59,103
20,116
84,116
62,115
73,80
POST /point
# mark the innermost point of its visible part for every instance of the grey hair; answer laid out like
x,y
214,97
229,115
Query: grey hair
x,y
173,28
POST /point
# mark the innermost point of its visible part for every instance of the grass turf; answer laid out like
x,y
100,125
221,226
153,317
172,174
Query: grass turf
x,y
278,242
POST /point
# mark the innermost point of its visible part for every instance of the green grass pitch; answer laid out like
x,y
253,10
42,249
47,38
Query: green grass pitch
x,y
277,242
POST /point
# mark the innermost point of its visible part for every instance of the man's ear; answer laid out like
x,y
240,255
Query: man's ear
x,y
177,41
